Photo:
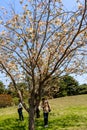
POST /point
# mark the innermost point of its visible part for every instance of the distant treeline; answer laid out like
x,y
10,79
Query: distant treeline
x,y
56,87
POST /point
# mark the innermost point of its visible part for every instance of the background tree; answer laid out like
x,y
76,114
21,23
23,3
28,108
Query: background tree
x,y
38,41
2,87
23,89
82,89
11,90
52,87
68,86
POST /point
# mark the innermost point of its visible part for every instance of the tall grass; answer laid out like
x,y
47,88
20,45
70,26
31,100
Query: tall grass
x,y
68,113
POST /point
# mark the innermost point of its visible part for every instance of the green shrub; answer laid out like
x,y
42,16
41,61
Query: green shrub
x,y
15,100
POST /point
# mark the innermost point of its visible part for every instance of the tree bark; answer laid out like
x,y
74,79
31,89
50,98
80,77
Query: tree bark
x,y
31,116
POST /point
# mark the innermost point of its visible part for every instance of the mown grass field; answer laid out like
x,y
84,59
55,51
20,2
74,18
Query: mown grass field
x,y
68,113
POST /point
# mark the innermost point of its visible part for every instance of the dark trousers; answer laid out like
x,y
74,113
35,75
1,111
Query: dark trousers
x,y
45,118
37,113
20,114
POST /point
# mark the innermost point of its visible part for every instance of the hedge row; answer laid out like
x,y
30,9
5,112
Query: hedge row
x,y
5,100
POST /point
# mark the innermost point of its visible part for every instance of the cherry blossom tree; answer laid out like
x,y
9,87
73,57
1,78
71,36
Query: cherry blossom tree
x,y
39,42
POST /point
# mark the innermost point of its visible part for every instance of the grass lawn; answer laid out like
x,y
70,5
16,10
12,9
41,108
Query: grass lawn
x,y
68,113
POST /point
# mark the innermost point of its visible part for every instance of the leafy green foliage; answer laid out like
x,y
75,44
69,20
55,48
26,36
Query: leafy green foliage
x,y
68,86
63,86
22,86
82,89
2,87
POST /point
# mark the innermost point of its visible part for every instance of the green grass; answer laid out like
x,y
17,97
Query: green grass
x,y
68,113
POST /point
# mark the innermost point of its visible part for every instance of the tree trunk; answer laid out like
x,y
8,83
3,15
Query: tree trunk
x,y
31,117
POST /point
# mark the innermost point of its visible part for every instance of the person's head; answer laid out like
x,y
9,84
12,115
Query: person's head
x,y
19,100
43,99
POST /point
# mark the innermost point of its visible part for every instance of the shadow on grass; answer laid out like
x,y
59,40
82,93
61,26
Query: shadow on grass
x,y
13,124
60,123
63,123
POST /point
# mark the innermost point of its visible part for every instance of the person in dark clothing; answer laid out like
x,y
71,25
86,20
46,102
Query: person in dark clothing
x,y
37,112
20,108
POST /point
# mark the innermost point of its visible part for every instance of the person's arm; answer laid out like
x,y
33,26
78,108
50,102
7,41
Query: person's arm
x,y
49,107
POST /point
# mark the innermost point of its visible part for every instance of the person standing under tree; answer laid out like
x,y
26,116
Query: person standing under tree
x,y
46,109
20,108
